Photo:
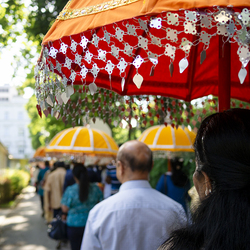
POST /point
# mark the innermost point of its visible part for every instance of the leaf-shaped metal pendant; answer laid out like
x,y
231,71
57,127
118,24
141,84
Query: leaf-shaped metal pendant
x,y
49,100
171,68
69,91
202,56
138,79
183,64
152,71
123,83
92,88
64,97
242,75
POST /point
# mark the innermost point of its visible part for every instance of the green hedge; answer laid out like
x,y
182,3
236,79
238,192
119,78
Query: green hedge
x,y
12,182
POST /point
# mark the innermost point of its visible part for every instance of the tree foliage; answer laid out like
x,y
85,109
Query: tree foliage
x,y
11,13
36,20
43,13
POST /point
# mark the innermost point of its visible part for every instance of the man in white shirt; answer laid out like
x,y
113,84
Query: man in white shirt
x,y
138,217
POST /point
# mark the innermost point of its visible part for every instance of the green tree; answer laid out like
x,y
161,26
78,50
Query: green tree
x,y
42,15
11,14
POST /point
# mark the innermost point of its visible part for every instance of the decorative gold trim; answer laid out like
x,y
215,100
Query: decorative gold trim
x,y
68,13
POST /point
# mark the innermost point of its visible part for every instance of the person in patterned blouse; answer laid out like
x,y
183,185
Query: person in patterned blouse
x,y
76,203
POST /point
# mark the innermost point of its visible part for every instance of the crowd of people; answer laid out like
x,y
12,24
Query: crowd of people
x,y
70,191
133,215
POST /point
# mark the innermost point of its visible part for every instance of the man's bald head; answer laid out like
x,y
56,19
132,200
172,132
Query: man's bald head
x,y
136,155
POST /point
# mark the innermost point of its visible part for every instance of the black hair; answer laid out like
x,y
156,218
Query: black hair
x,y
67,166
54,166
179,178
80,173
142,164
59,164
46,163
222,219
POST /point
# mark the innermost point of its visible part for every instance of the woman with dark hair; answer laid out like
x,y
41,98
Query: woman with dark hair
x,y
77,201
222,180
175,184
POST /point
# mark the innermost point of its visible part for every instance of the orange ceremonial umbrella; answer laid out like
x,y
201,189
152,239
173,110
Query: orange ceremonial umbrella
x,y
181,49
40,152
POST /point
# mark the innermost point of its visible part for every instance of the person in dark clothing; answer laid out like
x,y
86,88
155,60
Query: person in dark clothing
x,y
175,184
40,183
69,177
94,174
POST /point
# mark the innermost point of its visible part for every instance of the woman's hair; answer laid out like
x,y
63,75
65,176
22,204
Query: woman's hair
x,y
178,177
222,219
80,173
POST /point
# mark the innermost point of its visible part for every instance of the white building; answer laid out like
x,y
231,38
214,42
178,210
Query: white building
x,y
14,120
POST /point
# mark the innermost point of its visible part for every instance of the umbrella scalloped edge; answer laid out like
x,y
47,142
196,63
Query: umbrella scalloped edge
x,y
91,58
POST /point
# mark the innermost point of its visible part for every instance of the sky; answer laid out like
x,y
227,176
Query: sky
x,y
6,71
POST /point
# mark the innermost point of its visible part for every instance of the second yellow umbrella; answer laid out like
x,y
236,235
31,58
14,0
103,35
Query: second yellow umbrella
x,y
82,140
167,138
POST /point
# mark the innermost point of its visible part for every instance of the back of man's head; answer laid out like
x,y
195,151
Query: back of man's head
x,y
46,163
59,164
136,155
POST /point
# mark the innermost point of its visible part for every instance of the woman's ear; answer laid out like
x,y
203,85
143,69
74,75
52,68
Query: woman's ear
x,y
207,183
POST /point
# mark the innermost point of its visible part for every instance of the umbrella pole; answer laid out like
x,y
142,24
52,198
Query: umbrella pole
x,y
224,74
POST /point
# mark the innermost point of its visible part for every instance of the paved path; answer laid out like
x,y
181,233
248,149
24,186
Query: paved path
x,y
23,228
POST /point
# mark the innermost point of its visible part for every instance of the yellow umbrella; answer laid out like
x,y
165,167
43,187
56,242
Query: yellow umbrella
x,y
40,152
82,140
167,138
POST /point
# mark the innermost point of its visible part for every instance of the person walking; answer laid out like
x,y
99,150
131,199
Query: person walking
x,y
40,184
48,212
76,203
54,187
138,216
34,174
111,179
69,177
175,184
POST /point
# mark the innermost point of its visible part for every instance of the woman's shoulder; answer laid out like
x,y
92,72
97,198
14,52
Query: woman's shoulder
x,y
95,189
71,188
93,186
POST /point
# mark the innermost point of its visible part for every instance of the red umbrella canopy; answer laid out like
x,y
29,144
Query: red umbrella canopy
x,y
183,50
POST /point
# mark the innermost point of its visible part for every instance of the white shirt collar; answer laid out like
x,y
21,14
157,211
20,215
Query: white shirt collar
x,y
134,184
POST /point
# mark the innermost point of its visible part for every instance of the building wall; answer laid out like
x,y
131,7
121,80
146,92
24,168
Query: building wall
x,y
3,156
14,120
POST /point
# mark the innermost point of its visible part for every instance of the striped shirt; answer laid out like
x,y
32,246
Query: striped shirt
x,y
115,184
